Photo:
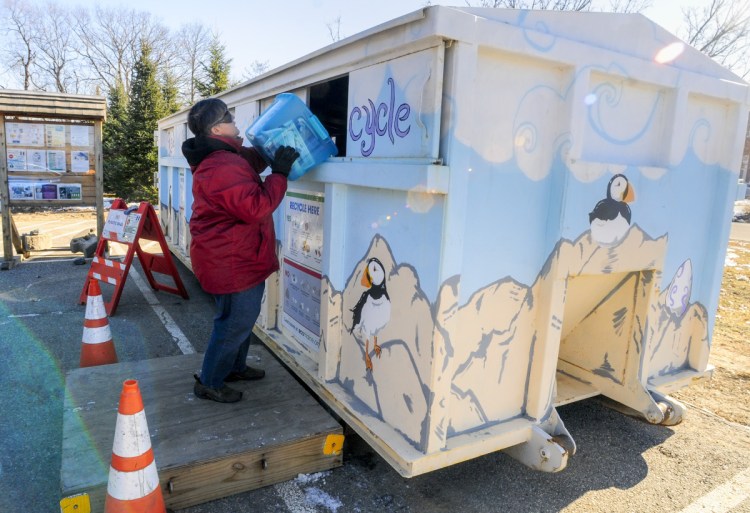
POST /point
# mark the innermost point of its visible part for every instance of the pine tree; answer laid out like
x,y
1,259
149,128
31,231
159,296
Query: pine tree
x,y
145,108
216,71
113,140
170,94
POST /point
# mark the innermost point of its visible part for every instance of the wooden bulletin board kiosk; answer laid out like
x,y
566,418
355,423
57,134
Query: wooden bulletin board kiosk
x,y
51,153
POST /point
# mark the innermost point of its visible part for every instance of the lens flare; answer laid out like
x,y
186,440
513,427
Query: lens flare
x,y
590,99
420,201
669,52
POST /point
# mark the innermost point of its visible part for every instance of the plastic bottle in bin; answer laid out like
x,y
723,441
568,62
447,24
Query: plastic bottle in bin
x,y
288,122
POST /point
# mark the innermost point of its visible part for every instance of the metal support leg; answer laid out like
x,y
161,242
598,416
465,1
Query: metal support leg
x,y
548,448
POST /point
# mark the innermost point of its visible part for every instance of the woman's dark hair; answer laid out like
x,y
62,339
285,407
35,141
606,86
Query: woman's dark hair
x,y
205,114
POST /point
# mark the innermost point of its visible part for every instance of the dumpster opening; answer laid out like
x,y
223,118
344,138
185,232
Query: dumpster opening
x,y
602,332
329,101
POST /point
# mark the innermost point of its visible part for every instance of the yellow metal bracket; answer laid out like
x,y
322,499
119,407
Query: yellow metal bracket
x,y
334,445
76,504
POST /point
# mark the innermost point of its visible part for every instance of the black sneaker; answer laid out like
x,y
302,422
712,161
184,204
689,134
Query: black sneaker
x,y
220,395
249,374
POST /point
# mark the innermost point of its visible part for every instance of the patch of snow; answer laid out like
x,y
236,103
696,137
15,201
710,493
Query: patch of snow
x,y
312,478
318,497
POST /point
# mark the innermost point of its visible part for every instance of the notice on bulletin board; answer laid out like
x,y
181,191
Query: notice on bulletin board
x,y
24,134
79,161
36,160
21,190
55,135
69,191
79,135
16,160
301,267
56,160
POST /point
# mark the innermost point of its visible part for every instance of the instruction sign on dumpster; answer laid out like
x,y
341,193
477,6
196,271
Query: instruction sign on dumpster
x,y
302,264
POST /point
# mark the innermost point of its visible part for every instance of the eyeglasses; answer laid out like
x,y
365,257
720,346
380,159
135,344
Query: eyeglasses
x,y
226,118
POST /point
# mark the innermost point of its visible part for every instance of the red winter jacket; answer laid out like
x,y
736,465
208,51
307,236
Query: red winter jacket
x,y
233,245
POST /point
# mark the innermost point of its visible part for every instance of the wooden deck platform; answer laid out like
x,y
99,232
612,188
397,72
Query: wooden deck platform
x,y
203,450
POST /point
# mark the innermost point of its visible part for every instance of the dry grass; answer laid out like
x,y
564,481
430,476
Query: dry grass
x,y
727,394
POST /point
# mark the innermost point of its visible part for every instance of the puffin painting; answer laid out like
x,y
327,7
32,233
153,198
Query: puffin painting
x,y
610,219
373,310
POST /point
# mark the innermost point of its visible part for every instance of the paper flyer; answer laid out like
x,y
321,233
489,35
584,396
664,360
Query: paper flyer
x,y
113,227
79,161
21,190
79,135
24,134
16,160
49,191
36,160
69,191
56,160
130,227
55,135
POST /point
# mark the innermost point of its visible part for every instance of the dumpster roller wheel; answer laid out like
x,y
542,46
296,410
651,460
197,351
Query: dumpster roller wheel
x,y
674,411
540,452
549,445
665,411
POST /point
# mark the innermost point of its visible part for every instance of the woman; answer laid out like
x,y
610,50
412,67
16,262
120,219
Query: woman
x,y
233,246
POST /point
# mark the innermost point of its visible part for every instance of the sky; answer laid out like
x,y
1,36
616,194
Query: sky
x,y
280,31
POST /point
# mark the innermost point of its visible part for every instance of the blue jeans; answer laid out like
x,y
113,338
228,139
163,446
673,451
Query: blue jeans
x,y
234,319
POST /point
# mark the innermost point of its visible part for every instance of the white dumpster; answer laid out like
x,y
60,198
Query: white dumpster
x,y
528,208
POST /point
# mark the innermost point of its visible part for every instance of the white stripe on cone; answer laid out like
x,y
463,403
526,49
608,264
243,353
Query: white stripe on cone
x,y
97,335
131,435
95,308
128,486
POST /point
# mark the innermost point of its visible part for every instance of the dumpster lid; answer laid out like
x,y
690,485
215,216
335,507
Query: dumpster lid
x,y
626,33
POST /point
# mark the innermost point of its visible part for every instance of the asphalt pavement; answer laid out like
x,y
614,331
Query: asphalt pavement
x,y
623,464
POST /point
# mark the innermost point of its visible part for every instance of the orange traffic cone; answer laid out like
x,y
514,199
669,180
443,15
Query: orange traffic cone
x,y
97,347
133,485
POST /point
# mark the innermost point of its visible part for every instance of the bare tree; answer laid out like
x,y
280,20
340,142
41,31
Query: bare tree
x,y
721,30
556,5
334,29
56,57
193,42
629,5
567,5
256,68
111,42
21,39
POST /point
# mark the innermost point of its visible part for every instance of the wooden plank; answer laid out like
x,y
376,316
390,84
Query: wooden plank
x,y
17,242
250,470
59,104
207,450
86,180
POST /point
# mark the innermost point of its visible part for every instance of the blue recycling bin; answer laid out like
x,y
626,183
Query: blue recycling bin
x,y
288,122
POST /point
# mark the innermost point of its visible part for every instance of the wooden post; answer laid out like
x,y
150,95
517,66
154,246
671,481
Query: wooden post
x,y
5,199
99,176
